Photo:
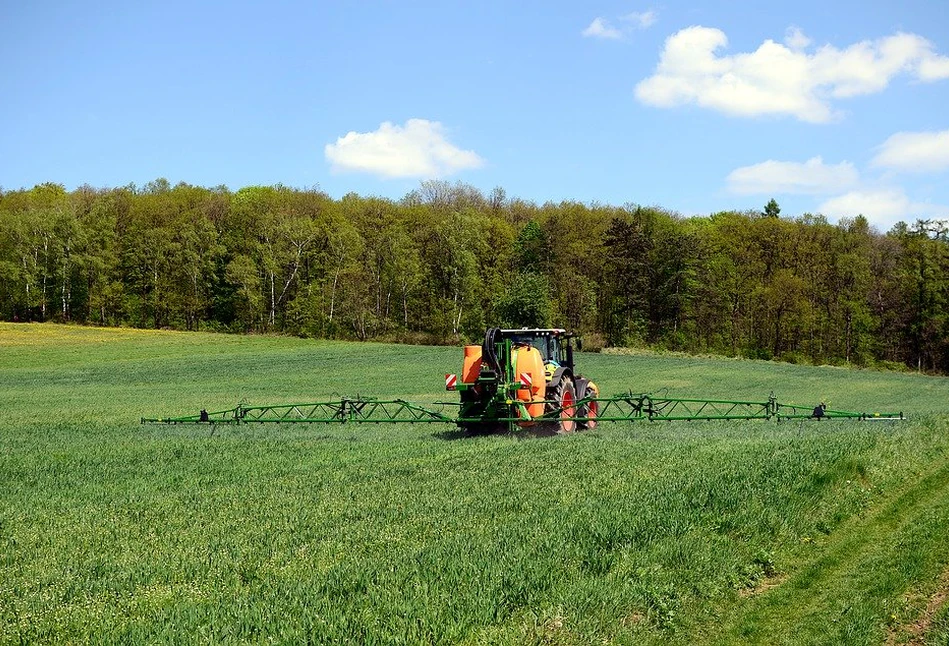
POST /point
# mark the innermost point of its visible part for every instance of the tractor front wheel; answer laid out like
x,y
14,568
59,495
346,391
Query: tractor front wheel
x,y
564,398
590,410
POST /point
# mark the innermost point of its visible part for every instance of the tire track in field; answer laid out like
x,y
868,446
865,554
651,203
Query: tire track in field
x,y
914,634
799,605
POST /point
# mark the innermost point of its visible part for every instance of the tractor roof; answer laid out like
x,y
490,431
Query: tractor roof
x,y
538,331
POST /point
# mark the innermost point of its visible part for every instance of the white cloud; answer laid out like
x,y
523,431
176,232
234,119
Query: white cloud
x,y
795,38
914,152
882,206
813,177
642,19
417,149
780,79
934,68
599,28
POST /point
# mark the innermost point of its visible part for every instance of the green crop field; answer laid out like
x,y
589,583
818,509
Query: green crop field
x,y
704,532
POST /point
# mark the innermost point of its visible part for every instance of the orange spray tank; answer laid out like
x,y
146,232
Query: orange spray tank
x,y
472,366
529,363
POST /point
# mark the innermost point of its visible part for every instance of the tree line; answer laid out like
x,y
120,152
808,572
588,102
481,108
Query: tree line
x,y
446,260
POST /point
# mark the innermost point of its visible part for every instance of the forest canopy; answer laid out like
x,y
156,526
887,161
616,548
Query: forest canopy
x,y
446,260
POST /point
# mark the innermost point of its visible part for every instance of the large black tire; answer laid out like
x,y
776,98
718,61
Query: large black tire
x,y
590,410
564,396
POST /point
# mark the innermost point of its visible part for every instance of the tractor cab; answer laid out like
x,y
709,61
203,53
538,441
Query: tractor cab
x,y
554,345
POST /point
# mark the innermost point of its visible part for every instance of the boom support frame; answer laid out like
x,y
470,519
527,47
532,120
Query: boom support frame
x,y
619,408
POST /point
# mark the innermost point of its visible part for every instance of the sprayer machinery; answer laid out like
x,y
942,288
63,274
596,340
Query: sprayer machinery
x,y
520,380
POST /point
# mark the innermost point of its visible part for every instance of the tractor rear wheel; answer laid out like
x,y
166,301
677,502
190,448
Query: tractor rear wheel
x,y
564,398
590,410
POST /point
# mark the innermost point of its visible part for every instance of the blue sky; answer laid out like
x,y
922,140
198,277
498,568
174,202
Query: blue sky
x,y
829,107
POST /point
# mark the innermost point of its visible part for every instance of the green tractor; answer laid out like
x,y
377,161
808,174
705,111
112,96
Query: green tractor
x,y
524,378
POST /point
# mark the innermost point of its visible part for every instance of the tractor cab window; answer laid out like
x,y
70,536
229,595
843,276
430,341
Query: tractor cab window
x,y
551,347
542,343
554,353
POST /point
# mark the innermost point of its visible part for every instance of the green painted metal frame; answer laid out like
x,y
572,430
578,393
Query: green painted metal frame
x,y
619,408
790,411
631,407
358,410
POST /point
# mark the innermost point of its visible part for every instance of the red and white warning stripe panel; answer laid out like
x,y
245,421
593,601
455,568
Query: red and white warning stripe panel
x,y
451,381
525,379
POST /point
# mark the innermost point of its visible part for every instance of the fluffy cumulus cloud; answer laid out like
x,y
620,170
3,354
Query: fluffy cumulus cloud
x,y
914,152
813,177
417,149
782,79
881,206
795,38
